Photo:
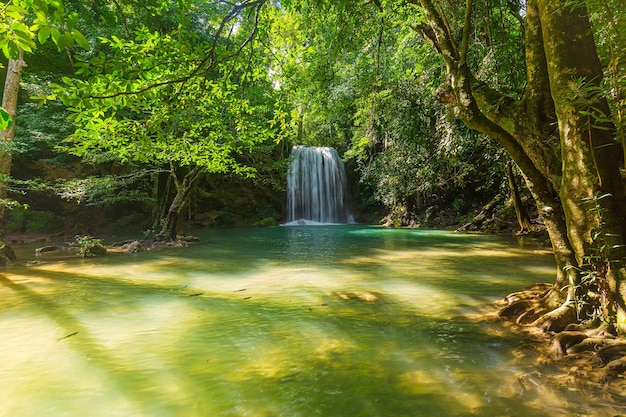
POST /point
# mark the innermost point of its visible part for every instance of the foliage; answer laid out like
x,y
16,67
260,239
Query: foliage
x,y
105,190
88,246
365,82
22,219
23,20
178,97
20,187
40,129
5,119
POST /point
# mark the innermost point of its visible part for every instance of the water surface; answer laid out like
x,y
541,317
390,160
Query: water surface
x,y
289,321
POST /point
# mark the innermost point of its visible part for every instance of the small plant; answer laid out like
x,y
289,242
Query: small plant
x,y
88,246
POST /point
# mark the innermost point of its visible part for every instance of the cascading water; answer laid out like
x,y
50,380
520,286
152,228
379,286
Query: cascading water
x,y
317,187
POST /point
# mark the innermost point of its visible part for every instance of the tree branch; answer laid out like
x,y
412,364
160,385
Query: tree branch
x,y
210,61
466,32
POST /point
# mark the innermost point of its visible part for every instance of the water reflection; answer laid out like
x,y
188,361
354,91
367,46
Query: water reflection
x,y
337,321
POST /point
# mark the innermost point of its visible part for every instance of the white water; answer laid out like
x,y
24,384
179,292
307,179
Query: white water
x,y
317,188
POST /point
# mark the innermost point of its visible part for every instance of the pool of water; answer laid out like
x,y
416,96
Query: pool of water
x,y
287,321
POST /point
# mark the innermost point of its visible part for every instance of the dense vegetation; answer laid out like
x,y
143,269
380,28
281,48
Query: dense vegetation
x,y
160,111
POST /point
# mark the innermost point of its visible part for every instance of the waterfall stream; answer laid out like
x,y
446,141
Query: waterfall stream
x,y
317,187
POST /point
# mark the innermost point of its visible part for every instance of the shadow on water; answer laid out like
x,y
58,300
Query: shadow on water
x,y
71,333
277,322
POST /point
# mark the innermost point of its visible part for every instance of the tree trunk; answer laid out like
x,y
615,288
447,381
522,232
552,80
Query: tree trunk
x,y
9,103
173,225
508,122
591,185
523,219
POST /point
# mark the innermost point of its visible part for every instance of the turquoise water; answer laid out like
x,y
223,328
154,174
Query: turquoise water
x,y
288,321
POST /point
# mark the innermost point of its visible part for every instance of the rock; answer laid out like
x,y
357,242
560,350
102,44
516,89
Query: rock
x,y
133,247
45,249
267,222
188,239
95,249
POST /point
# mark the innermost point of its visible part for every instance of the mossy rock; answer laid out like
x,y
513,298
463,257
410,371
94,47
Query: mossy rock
x,y
267,222
96,249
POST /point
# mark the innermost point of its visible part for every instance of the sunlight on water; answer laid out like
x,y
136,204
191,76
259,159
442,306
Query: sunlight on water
x,y
328,321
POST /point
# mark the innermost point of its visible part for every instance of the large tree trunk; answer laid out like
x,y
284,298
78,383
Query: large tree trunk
x,y
524,129
591,186
523,219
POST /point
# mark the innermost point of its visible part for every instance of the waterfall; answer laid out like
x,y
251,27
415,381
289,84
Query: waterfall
x,y
317,187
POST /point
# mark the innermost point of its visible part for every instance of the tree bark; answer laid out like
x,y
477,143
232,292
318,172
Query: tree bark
x,y
591,185
504,120
9,103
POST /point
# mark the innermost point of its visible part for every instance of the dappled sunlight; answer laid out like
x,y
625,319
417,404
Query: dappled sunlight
x,y
151,321
431,382
356,328
155,271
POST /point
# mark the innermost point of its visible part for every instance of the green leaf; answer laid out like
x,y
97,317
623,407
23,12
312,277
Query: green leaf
x,y
24,41
41,6
44,34
56,35
72,19
66,41
80,39
15,12
11,50
5,119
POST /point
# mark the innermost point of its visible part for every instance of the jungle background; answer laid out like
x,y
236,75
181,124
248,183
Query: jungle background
x,y
315,77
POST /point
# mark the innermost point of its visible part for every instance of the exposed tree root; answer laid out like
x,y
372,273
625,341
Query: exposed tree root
x,y
588,351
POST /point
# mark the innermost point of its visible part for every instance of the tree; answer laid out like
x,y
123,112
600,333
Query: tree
x,y
21,21
559,131
190,100
50,21
9,104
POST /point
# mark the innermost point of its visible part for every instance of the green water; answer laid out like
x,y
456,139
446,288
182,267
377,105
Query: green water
x,y
289,321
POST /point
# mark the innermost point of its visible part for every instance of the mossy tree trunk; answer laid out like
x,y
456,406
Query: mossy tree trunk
x,y
591,186
555,141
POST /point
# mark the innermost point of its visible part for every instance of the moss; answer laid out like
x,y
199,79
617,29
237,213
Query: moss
x,y
267,222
